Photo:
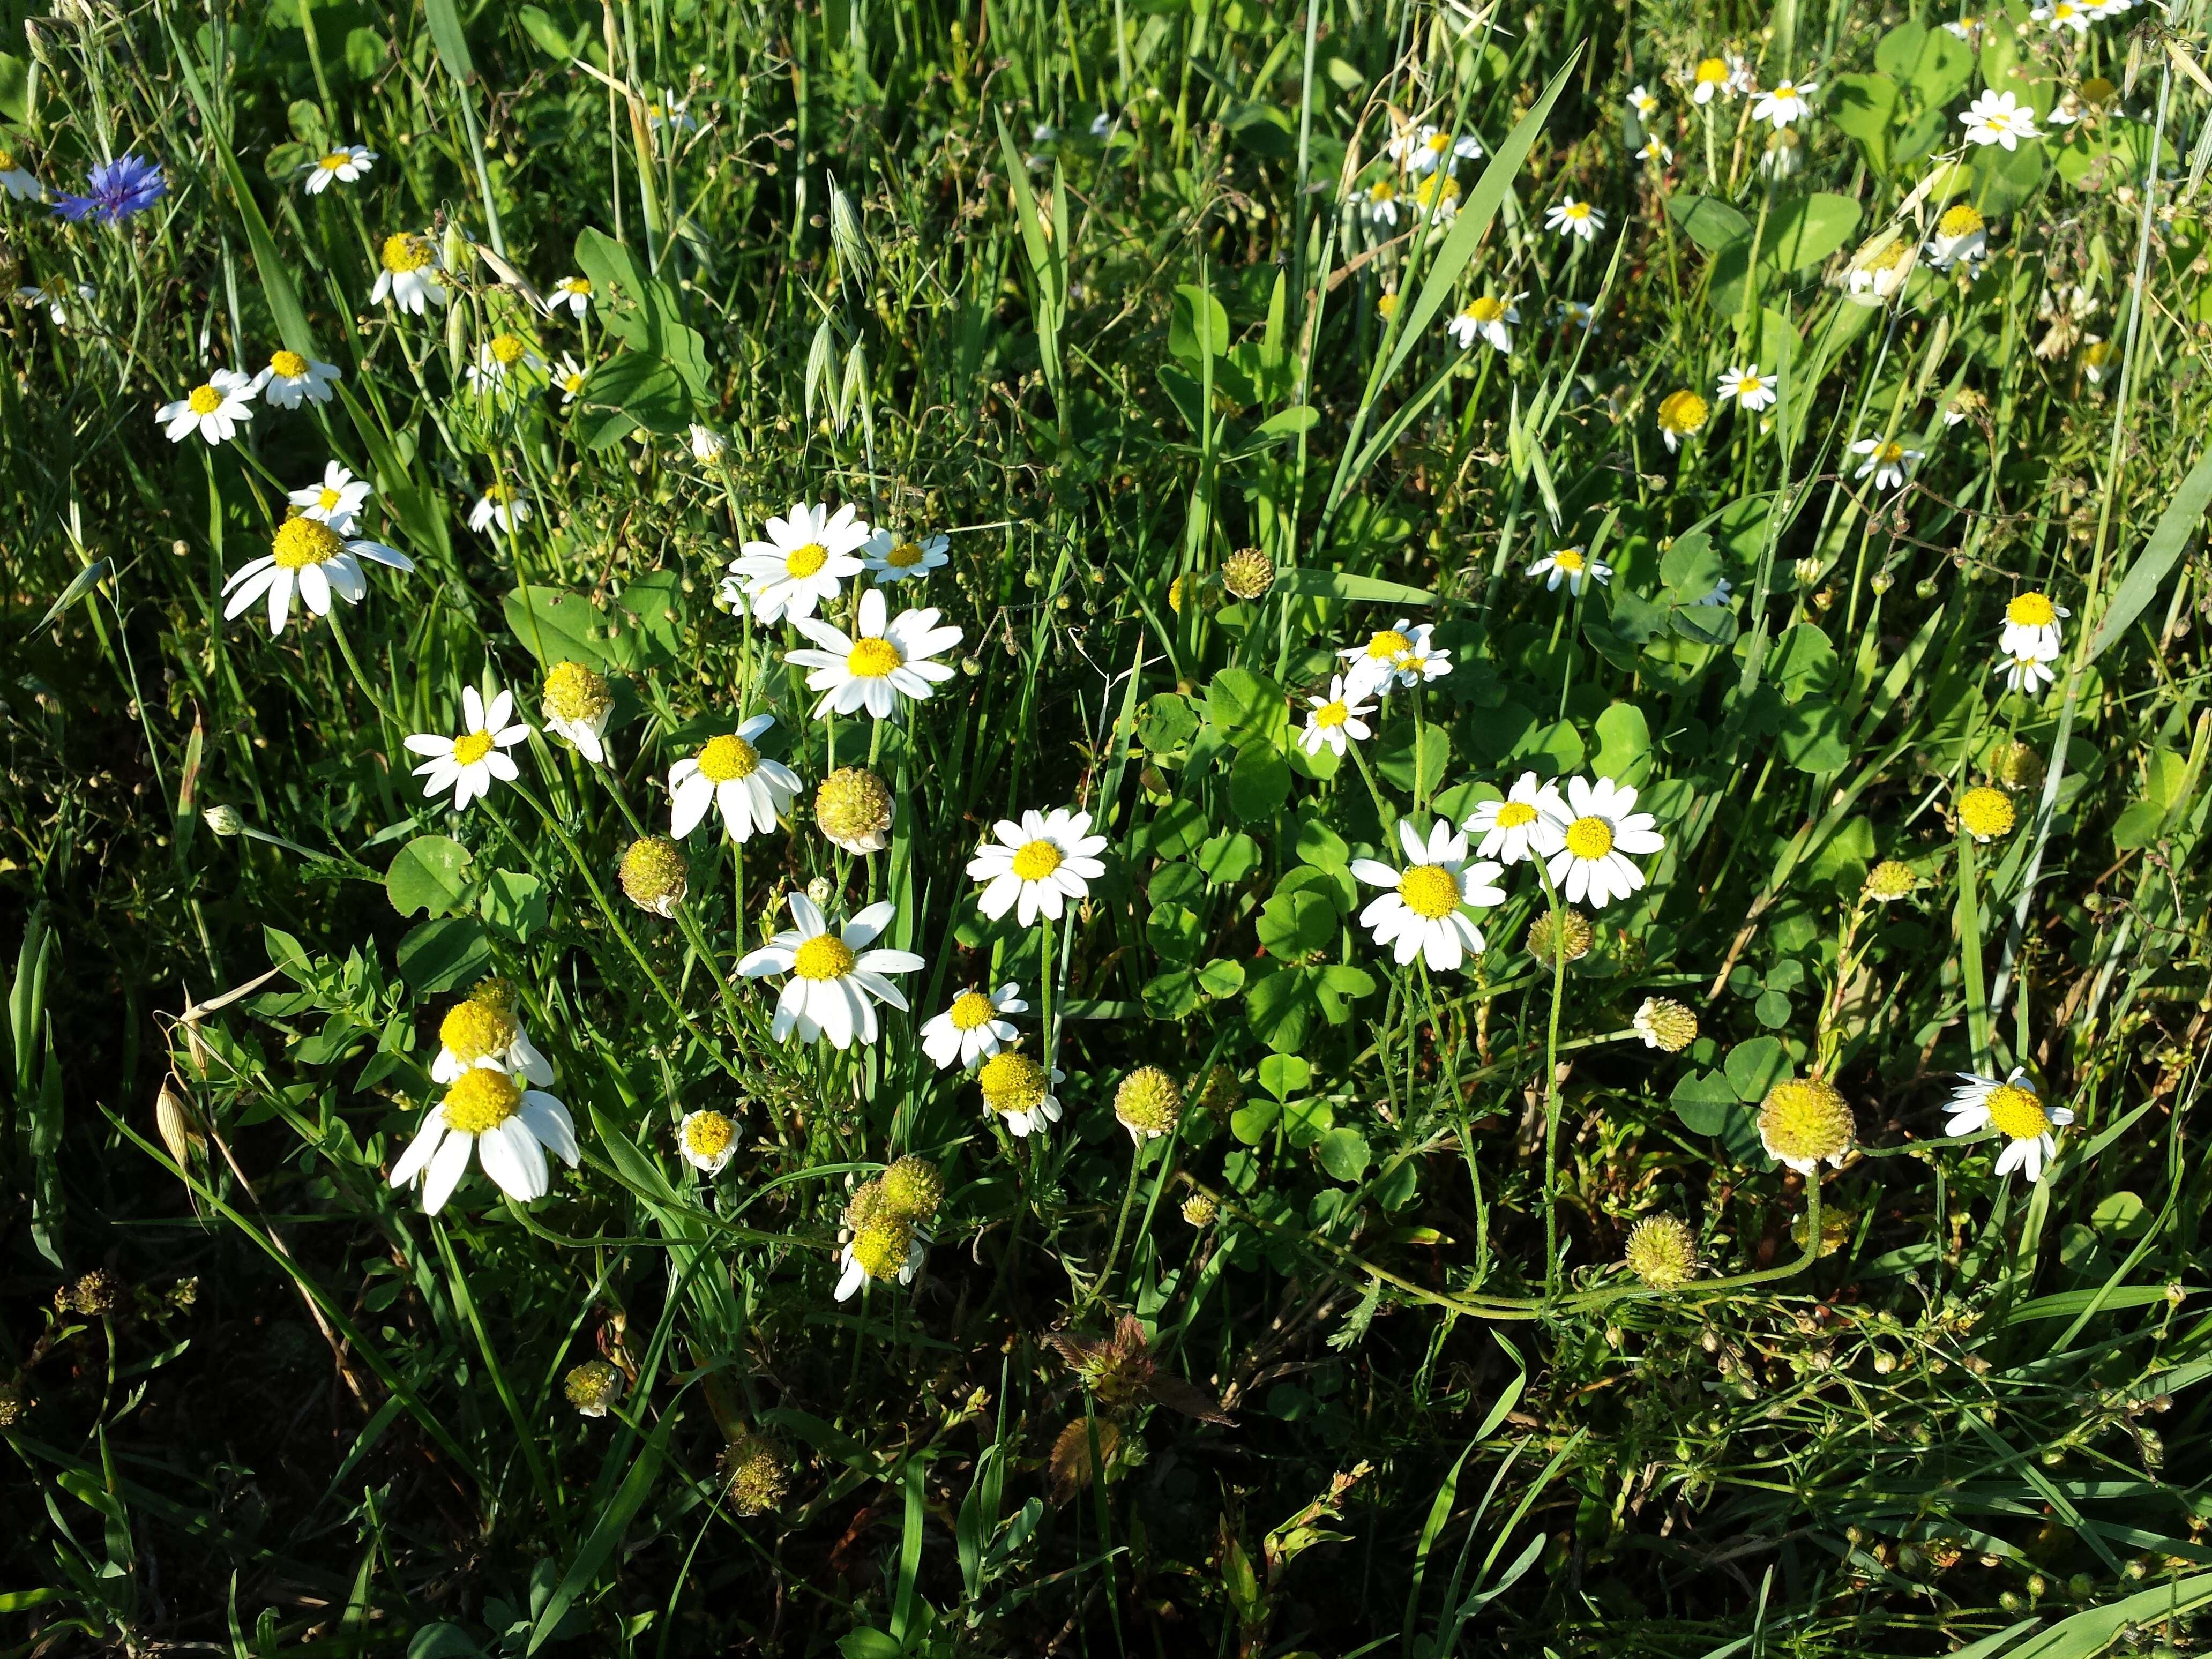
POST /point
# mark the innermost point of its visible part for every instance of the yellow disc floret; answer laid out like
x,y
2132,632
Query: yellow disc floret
x,y
574,692
1960,221
204,400
1516,813
708,1135
872,658
824,956
728,757
852,805
806,560
904,556
881,1247
289,364
971,1011
655,874
1661,1253
2031,611
404,251
1330,715
472,746
913,1189
1890,880
302,541
477,1030
1804,1121
506,349
1149,1101
1387,644
1037,859
480,1100
2017,1112
1589,838
1012,1082
1430,890
1986,813
1683,413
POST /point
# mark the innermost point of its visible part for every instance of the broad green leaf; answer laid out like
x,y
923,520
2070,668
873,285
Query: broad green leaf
x,y
1813,738
1343,1153
444,955
1243,706
431,873
1296,924
1284,1075
1754,1066
1808,230
1703,1101
514,903
1712,224
1863,106
1307,582
1624,744
1259,781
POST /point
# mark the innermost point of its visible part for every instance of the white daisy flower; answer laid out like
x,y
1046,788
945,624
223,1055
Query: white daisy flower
x,y
576,704
855,1260
574,292
1890,463
889,559
1375,667
1425,149
1585,847
707,1140
1018,1092
510,1129
1421,915
1879,279
2031,626
57,296
836,979
1418,664
482,1030
2064,15
290,377
707,444
1960,234
1036,866
501,504
1653,150
1485,317
1572,218
213,411
467,764
1510,827
1573,566
2028,674
1786,101
568,377
312,559
1380,203
502,360
671,116
335,502
2016,1110
341,165
1642,105
1710,79
974,1028
728,773
877,667
1575,313
1437,196
800,565
17,180
407,273
1998,118
1748,387
1335,718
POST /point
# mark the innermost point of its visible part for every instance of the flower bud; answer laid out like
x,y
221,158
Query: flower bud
x,y
224,821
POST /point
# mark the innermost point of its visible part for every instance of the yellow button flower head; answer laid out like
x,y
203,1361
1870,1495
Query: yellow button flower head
x,y
577,705
655,874
1985,814
1682,414
756,1473
1149,1103
1247,572
1805,1122
707,1140
1200,1211
1572,938
1663,1252
593,1387
884,1247
853,808
1665,1023
1889,881
1019,1091
913,1189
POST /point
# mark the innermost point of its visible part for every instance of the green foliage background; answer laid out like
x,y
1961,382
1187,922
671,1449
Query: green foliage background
x,y
883,247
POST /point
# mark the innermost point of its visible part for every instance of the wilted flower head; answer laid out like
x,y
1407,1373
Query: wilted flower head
x,y
912,1188
757,1473
1573,933
593,1387
1663,1022
1247,572
853,808
655,875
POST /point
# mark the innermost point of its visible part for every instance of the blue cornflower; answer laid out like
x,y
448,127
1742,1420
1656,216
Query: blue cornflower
x,y
117,190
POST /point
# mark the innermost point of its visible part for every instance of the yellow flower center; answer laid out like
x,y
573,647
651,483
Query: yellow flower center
x,y
806,561
823,957
1438,142
1012,1082
881,1248
289,364
204,400
1381,190
1387,644
1786,90
328,500
1589,838
904,556
2031,611
1485,309
1890,453
1576,209
1330,715
1960,221
1682,412
404,251
501,493
872,658
476,1029
1569,559
335,159
572,382
1438,187
1037,859
472,746
2017,1112
481,1100
971,1011
1986,812
1891,257
726,757
576,285
574,692
1712,72
1430,890
708,1134
1513,814
1749,385
507,350
302,541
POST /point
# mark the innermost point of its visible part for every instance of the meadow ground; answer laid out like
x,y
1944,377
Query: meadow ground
x,y
1264,827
